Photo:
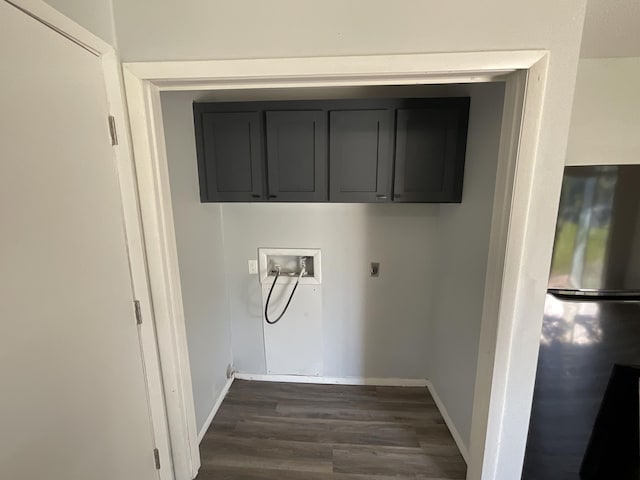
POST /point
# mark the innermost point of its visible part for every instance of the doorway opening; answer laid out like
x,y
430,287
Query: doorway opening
x,y
144,84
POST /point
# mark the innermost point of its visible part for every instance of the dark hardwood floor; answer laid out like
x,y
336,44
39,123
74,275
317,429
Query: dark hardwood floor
x,y
290,431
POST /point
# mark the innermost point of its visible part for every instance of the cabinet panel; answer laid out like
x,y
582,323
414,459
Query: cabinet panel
x,y
230,156
430,152
379,150
360,153
297,155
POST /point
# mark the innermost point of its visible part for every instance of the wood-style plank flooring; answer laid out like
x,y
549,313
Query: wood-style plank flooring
x,y
290,431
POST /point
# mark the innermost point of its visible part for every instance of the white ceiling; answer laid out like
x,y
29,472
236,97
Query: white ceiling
x,y
611,29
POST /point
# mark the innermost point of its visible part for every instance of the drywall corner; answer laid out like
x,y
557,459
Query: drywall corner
x,y
200,254
464,229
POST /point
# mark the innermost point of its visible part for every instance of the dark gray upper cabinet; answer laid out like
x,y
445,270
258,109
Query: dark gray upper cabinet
x,y
370,151
361,155
230,161
297,155
430,151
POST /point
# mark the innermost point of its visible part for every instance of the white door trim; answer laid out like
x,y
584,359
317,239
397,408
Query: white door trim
x,y
138,262
334,71
114,88
485,433
143,99
526,76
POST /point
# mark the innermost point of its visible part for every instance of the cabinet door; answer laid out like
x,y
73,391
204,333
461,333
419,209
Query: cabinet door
x,y
230,157
430,150
360,155
297,156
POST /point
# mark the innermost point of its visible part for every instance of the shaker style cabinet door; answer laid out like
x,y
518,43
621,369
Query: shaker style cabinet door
x,y
230,160
361,155
297,155
430,152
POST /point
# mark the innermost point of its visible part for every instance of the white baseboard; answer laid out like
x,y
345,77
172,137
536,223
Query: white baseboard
x,y
447,419
214,410
381,382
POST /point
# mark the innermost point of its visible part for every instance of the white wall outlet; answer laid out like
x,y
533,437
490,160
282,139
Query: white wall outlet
x,y
253,267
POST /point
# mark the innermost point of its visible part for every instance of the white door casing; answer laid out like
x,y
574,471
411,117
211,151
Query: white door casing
x,y
525,72
74,403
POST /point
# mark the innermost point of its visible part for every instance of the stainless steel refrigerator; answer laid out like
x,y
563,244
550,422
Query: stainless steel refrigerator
x,y
585,417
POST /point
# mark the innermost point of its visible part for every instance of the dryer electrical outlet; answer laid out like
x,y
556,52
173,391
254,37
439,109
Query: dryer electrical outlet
x,y
293,345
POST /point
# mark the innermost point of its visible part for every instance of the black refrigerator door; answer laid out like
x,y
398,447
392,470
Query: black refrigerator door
x,y
580,344
597,243
614,444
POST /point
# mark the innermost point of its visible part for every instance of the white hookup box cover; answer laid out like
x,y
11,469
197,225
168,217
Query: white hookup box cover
x,y
266,257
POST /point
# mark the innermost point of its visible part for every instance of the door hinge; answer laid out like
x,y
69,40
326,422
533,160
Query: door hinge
x,y
136,305
112,130
156,458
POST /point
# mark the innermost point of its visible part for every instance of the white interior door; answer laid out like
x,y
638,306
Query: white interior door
x,y
73,403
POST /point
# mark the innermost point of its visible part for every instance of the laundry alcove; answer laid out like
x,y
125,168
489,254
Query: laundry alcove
x,y
418,322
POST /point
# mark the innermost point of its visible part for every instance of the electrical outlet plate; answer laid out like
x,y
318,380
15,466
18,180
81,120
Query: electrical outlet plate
x,y
253,267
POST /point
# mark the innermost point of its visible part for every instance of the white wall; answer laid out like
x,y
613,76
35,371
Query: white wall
x,y
462,258
373,327
205,29
605,122
94,15
200,254
611,29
